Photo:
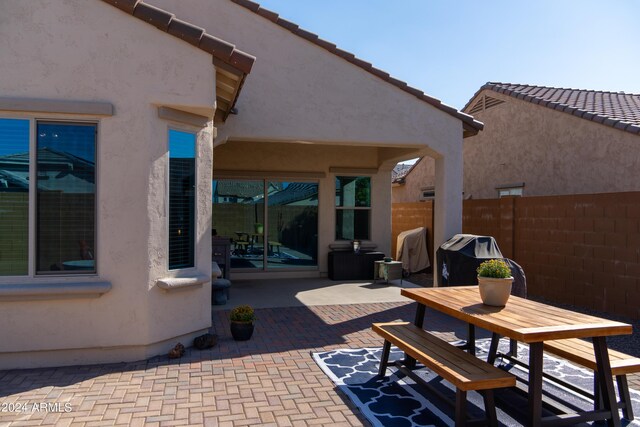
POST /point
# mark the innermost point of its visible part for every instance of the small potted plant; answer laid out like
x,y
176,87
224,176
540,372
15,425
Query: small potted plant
x,y
494,282
242,318
258,228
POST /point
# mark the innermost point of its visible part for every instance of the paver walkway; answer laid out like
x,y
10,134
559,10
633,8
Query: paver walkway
x,y
269,380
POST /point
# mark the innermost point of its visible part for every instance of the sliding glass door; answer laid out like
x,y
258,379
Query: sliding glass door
x,y
272,224
293,225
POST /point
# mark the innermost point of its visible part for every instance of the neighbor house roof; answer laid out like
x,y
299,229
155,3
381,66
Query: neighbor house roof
x,y
57,171
294,192
616,109
470,125
400,172
245,189
232,65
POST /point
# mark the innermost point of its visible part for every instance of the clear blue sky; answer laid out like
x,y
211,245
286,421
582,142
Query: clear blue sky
x,y
450,48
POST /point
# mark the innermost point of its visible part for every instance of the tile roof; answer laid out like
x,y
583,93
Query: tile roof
x,y
399,171
294,192
471,126
616,109
192,34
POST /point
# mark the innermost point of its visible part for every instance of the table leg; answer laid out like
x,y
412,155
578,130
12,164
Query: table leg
x,y
419,319
605,380
471,339
493,348
409,361
535,384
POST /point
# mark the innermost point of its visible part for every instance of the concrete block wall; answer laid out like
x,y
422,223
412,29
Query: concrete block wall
x,y
582,249
578,249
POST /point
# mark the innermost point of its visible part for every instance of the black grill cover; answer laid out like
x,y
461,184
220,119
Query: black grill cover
x,y
459,257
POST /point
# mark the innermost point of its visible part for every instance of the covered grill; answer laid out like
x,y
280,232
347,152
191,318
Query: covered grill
x,y
458,258
411,249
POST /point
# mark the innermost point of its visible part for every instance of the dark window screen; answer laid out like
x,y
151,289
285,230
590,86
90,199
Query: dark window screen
x,y
182,168
14,197
66,198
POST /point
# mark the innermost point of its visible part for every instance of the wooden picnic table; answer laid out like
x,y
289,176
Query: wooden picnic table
x,y
533,323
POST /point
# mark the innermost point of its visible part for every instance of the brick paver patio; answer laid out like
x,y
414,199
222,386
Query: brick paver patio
x,y
269,380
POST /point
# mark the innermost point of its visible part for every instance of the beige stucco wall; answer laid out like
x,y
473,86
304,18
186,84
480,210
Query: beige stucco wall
x,y
299,92
422,175
89,51
552,152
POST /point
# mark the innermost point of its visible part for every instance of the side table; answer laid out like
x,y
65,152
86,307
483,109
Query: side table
x,y
391,270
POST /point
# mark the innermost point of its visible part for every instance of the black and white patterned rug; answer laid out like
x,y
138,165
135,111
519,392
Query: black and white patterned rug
x,y
397,401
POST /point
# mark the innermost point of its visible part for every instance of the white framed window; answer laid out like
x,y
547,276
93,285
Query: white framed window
x,y
427,193
182,199
353,207
47,197
511,190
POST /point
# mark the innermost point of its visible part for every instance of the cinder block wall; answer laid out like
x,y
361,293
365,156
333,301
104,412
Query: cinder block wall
x,y
582,249
579,249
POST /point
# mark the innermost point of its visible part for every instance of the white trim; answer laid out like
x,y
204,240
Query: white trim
x,y
75,108
174,115
176,283
53,290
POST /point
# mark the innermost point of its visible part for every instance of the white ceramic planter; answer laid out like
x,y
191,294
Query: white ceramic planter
x,y
494,291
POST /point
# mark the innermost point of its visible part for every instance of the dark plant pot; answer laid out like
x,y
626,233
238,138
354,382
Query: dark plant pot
x,y
241,331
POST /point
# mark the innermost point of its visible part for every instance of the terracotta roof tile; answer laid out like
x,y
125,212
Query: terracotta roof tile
x,y
190,33
126,5
187,32
157,17
216,47
616,109
471,126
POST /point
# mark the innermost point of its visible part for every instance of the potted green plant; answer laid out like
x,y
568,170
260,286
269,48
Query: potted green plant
x,y
258,228
242,318
494,282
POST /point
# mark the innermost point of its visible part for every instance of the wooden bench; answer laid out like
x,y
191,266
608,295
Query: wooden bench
x,y
461,369
582,353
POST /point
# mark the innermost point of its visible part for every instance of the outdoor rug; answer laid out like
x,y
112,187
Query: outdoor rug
x,y
398,401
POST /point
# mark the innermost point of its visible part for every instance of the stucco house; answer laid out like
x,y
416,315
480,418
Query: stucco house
x,y
541,141
117,120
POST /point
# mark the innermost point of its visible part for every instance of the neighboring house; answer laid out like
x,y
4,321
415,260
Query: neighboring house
x,y
129,113
547,141
415,184
241,191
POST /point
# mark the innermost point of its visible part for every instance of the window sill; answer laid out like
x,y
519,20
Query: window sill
x,y
48,291
176,283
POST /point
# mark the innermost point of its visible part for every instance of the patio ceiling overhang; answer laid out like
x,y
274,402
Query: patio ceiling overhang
x,y
349,156
232,65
